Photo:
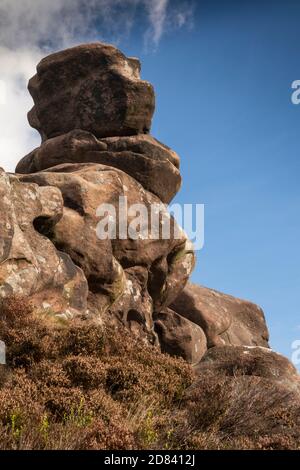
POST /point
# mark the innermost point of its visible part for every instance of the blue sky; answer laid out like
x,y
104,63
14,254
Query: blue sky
x,y
224,104
222,71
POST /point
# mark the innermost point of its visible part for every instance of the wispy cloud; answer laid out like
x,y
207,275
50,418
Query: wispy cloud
x,y
29,29
166,16
157,10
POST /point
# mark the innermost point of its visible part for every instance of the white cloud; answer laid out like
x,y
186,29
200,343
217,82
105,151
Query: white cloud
x,y
29,29
16,137
165,16
157,10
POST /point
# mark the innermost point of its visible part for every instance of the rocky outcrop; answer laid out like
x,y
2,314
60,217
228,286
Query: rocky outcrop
x,y
224,319
96,151
249,361
96,162
84,187
30,265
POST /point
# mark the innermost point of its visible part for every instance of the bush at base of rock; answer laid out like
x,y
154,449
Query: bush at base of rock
x,y
99,388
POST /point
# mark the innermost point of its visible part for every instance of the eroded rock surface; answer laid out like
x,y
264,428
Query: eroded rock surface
x,y
166,263
93,87
29,263
249,361
94,115
151,163
180,337
224,319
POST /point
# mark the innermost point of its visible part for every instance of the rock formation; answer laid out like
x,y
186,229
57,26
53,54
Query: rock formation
x,y
96,149
225,320
94,115
29,263
141,156
91,87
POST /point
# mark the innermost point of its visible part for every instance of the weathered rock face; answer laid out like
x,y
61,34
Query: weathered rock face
x,y
134,308
249,361
224,319
167,263
151,163
93,87
180,337
29,263
94,114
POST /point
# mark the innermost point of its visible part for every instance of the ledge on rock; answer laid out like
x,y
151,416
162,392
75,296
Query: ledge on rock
x,y
150,162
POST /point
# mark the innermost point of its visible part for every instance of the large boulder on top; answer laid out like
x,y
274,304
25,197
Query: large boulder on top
x,y
150,162
224,319
30,266
93,87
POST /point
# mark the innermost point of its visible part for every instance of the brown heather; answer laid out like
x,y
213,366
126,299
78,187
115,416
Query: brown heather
x,y
89,387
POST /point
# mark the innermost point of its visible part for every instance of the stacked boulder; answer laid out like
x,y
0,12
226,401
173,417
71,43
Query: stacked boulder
x,y
92,107
94,115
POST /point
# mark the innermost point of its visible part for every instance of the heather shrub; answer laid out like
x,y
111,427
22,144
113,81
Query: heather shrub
x,y
88,386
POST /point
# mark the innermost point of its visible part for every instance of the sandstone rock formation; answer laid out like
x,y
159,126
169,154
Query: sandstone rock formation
x,y
84,188
151,163
249,361
29,263
93,87
94,115
96,150
225,319
180,337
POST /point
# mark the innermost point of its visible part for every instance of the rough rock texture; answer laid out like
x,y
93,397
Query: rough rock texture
x,y
166,263
93,87
249,360
224,319
151,163
180,337
29,263
134,308
94,114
